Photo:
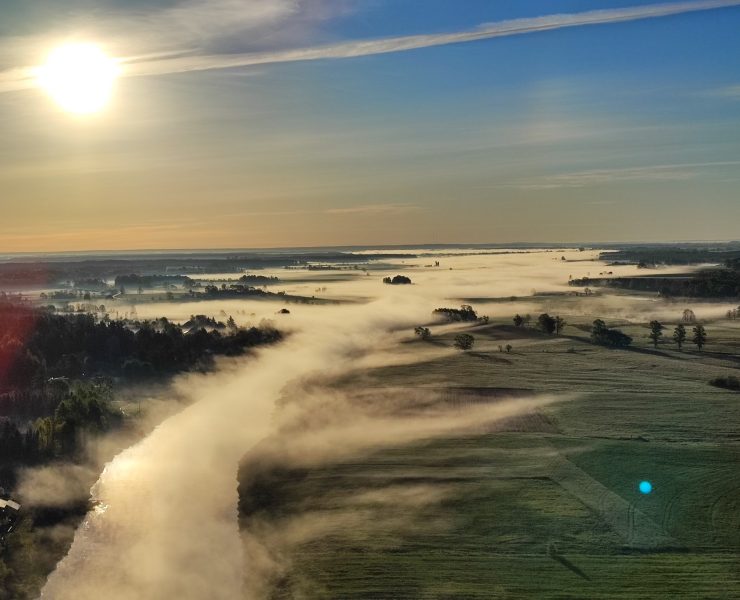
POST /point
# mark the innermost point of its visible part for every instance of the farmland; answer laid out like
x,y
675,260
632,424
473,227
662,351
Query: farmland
x,y
545,505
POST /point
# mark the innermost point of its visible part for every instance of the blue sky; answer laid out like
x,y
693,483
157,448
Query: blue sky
x,y
618,131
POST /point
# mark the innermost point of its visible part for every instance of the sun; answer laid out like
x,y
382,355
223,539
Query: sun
x,y
79,77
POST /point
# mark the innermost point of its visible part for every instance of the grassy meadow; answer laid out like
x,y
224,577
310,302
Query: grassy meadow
x,y
546,505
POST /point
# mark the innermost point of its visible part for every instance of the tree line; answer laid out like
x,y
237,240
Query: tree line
x,y
545,323
57,371
36,344
680,334
708,283
464,314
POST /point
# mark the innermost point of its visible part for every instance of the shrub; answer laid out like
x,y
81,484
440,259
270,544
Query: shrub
x,y
423,332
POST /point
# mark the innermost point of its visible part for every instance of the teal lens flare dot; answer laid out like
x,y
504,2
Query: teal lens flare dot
x,y
645,487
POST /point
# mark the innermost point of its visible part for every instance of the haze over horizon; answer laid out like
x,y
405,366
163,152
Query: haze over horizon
x,y
315,123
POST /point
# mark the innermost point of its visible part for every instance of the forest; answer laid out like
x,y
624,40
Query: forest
x,y
651,256
57,371
707,283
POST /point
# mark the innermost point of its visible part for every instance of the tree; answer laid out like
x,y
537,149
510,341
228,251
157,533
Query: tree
x,y
397,280
679,335
601,334
464,341
518,320
559,324
465,313
656,332
509,347
598,329
423,332
689,316
546,323
231,323
700,336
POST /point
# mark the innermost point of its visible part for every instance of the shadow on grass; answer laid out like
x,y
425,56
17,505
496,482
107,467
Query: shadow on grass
x,y
490,357
649,351
570,566
728,356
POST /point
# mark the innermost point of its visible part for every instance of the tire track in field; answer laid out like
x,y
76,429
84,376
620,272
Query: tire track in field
x,y
715,512
668,510
631,524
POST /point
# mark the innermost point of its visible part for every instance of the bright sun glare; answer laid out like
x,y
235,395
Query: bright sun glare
x,y
79,77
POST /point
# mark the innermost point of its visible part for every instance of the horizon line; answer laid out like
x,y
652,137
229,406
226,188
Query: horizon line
x,y
492,245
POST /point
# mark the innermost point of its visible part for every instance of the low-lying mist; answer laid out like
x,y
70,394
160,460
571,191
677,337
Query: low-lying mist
x,y
165,518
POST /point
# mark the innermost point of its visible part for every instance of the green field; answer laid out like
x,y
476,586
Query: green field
x,y
545,506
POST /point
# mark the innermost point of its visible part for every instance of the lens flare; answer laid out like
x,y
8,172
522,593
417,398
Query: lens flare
x,y
645,487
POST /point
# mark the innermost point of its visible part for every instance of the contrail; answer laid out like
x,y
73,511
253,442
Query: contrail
x,y
21,78
415,42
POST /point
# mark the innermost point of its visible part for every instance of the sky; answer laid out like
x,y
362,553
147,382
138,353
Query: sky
x,y
284,123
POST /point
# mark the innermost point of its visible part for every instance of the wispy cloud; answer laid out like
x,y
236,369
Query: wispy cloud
x,y
363,209
264,11
404,43
184,27
593,177
731,92
374,209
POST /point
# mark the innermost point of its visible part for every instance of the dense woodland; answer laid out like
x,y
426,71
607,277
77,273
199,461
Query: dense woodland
x,y
258,279
651,256
150,281
36,344
52,271
56,370
707,283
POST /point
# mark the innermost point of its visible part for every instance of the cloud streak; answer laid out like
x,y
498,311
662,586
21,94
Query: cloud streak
x,y
21,78
373,209
404,43
581,179
731,92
